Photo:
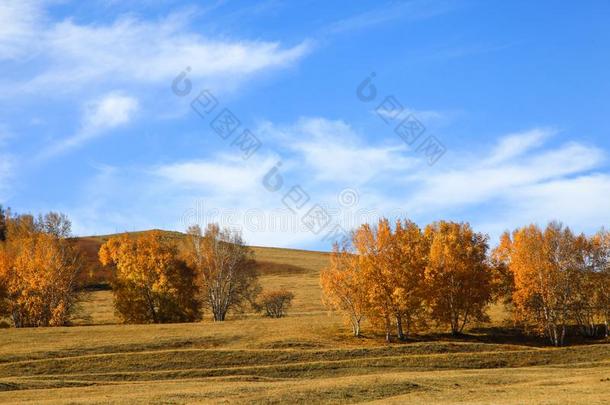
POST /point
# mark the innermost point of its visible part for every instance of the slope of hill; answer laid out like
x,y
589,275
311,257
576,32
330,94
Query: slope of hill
x,y
307,357
293,269
270,261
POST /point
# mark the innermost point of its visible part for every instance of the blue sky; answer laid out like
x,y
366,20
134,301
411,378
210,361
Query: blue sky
x,y
515,92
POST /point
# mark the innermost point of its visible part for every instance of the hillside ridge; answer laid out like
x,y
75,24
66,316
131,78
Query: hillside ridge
x,y
269,260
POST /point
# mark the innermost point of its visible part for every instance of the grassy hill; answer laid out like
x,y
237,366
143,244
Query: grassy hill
x,y
270,261
296,270
307,357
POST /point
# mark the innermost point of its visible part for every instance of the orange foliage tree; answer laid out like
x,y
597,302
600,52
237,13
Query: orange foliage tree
x,y
344,288
393,263
547,266
411,253
374,247
382,277
458,276
503,279
600,275
151,284
38,270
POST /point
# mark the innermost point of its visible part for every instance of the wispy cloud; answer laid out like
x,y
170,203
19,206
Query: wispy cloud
x,y
102,115
223,175
110,111
386,12
522,178
331,150
515,145
478,183
18,22
6,173
129,51
7,163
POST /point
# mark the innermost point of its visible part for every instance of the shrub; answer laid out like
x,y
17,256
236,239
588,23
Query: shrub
x,y
275,303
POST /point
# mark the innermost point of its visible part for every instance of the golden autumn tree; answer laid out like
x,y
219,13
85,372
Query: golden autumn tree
x,y
458,277
392,263
410,258
38,271
585,279
504,281
374,249
225,269
594,287
151,284
602,267
344,288
546,265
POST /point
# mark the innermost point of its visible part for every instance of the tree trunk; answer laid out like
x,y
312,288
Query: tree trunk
x,y
554,335
455,324
455,328
16,319
465,320
399,332
151,307
387,329
408,331
219,315
356,326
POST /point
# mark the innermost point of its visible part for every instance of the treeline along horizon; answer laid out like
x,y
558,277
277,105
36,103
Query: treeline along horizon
x,y
400,277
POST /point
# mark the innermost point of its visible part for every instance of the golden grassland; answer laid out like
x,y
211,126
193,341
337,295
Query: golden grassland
x,y
307,357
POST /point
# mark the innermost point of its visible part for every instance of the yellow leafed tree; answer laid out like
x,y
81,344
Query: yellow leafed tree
x,y
392,264
546,265
458,276
375,259
601,278
410,258
151,284
38,271
344,288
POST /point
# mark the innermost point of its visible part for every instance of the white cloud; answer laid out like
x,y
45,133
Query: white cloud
x,y
333,151
149,52
18,23
110,111
101,115
6,173
524,180
7,163
223,189
224,175
582,201
514,145
479,182
521,179
532,182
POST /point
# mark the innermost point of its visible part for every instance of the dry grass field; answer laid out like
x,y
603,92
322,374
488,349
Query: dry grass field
x,y
307,357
